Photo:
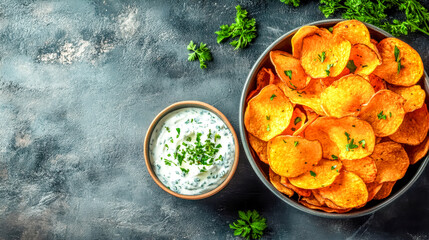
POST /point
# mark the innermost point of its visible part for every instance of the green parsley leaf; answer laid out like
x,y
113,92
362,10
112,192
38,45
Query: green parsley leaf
x,y
313,174
363,142
390,114
351,145
244,29
396,52
272,97
334,157
331,29
167,128
178,132
289,74
267,117
347,135
351,66
184,170
381,115
268,127
294,3
322,57
333,167
328,68
297,120
284,141
295,143
250,225
202,53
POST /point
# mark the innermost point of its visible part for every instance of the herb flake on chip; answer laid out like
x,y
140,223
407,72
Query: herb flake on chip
x,y
333,167
272,97
328,68
297,120
295,143
398,59
351,66
381,115
334,157
322,56
267,117
289,74
313,174
268,127
363,142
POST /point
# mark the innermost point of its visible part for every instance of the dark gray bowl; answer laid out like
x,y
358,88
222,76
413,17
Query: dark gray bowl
x,y
261,169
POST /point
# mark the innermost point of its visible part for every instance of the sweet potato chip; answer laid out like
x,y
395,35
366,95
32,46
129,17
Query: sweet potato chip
x,y
301,192
344,138
373,189
365,168
415,153
260,148
414,128
298,119
306,203
414,96
275,180
401,65
384,112
311,200
297,39
291,156
320,176
353,31
373,41
268,114
265,75
311,117
391,161
385,190
324,54
289,69
346,96
347,191
363,59
309,96
377,83
329,80
251,95
276,80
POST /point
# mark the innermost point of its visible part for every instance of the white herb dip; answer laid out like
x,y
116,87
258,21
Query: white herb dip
x,y
191,151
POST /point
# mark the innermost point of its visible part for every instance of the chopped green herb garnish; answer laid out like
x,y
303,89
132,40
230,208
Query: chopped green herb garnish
x,y
328,68
267,117
178,132
363,142
331,29
289,74
351,145
184,170
351,66
321,57
297,120
268,127
295,143
284,141
364,66
313,174
272,97
166,145
334,157
167,128
398,59
347,135
333,167
381,115
250,225
390,114
217,137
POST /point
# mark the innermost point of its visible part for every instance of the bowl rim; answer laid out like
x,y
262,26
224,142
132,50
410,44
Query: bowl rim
x,y
176,106
256,169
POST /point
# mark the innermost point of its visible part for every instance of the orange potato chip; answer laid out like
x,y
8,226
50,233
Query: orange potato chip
x,y
332,205
298,119
276,80
365,168
297,39
391,161
344,138
311,200
260,148
373,41
373,189
265,75
385,190
268,114
319,198
384,112
414,96
320,176
345,96
353,31
365,59
414,128
305,202
329,80
324,55
311,117
377,83
309,96
401,64
415,153
291,156
347,191
289,69
275,180
301,192
251,95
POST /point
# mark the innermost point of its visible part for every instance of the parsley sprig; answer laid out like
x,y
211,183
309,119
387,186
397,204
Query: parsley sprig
x,y
375,12
243,28
397,58
250,225
202,53
294,3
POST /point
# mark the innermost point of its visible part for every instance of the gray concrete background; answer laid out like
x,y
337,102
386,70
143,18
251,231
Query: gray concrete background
x,y
80,82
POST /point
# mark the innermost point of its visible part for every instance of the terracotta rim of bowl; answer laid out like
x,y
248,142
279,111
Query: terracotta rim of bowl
x,y
185,104
258,171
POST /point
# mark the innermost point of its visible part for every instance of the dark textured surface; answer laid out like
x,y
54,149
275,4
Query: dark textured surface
x,y
80,81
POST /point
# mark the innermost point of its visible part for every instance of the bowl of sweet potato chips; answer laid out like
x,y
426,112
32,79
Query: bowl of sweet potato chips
x,y
334,118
